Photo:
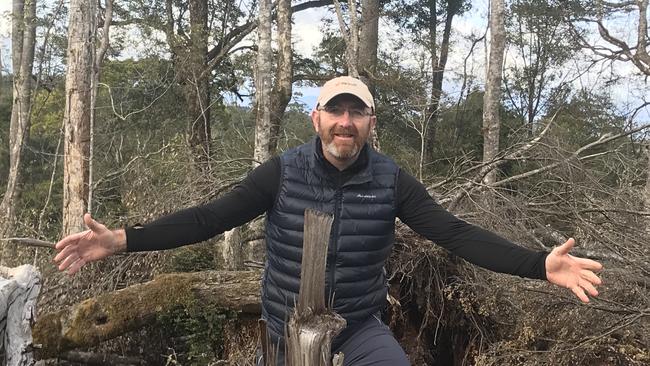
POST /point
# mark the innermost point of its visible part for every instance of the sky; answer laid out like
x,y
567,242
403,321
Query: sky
x,y
307,35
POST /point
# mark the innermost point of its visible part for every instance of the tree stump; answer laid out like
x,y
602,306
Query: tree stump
x,y
19,288
312,326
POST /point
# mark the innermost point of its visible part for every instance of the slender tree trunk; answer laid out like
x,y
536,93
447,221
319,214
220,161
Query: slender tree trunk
x,y
351,36
263,82
78,81
97,64
232,245
646,192
282,90
438,65
491,102
23,41
368,41
367,54
197,85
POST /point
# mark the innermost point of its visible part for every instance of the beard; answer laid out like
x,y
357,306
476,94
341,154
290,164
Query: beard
x,y
342,150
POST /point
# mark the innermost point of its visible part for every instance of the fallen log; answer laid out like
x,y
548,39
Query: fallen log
x,y
112,314
19,288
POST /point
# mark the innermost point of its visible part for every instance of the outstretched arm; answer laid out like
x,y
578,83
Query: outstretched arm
x,y
252,197
98,242
576,274
421,213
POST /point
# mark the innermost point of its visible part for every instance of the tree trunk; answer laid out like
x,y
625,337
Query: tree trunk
x,y
263,82
492,98
78,82
368,41
438,65
282,90
22,55
112,314
97,65
350,36
232,250
646,193
232,243
367,55
197,85
19,288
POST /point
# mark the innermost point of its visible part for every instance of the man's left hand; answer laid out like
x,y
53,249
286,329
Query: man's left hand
x,y
572,272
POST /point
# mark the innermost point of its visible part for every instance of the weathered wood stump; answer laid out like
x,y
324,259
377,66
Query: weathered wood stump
x,y
19,288
312,326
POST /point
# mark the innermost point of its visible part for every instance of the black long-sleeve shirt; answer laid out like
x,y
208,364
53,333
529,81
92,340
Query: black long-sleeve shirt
x,y
415,207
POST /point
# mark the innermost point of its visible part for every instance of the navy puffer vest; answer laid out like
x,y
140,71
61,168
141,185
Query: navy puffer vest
x,y
362,236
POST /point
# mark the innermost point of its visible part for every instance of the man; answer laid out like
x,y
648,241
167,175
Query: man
x,y
339,173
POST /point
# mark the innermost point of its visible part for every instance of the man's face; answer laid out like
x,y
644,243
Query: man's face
x,y
344,125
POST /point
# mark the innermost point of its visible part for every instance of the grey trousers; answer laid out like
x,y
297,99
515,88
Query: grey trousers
x,y
369,343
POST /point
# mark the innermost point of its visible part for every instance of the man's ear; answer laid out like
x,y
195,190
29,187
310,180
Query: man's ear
x,y
373,121
315,119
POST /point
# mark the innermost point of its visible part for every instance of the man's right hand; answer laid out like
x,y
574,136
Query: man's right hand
x,y
88,246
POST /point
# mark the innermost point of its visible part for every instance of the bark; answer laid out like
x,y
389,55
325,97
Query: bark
x,y
197,85
368,41
190,56
492,97
646,191
22,54
112,314
19,288
78,82
232,250
438,65
312,326
367,55
232,244
351,37
282,90
263,82
97,64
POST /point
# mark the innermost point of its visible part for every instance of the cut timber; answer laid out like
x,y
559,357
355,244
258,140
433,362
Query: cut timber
x,y
19,288
112,314
312,326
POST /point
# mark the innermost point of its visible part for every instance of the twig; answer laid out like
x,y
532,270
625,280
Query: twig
x,y
31,242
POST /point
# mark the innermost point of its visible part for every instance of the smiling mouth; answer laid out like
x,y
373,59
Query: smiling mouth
x,y
343,135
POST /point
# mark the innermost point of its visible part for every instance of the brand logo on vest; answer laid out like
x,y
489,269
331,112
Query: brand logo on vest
x,y
367,196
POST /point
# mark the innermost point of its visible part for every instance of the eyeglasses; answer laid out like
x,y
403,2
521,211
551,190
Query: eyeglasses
x,y
338,111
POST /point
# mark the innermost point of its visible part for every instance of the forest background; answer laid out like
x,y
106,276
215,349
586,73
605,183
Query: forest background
x,y
529,118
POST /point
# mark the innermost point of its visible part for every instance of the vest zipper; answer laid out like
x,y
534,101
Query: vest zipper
x,y
334,242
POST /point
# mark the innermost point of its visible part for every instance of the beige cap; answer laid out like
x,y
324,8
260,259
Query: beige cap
x,y
345,85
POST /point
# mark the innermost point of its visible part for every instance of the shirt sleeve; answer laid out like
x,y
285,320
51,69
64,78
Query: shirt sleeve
x,y
250,198
418,210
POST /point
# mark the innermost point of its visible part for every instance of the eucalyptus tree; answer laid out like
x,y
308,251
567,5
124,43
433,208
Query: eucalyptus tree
x,y
430,23
201,36
492,97
538,50
78,86
23,40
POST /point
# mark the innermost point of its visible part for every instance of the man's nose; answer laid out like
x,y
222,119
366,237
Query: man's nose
x,y
345,119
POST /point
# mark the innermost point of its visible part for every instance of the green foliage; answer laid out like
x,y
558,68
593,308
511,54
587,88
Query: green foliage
x,y
585,117
194,258
539,45
195,332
